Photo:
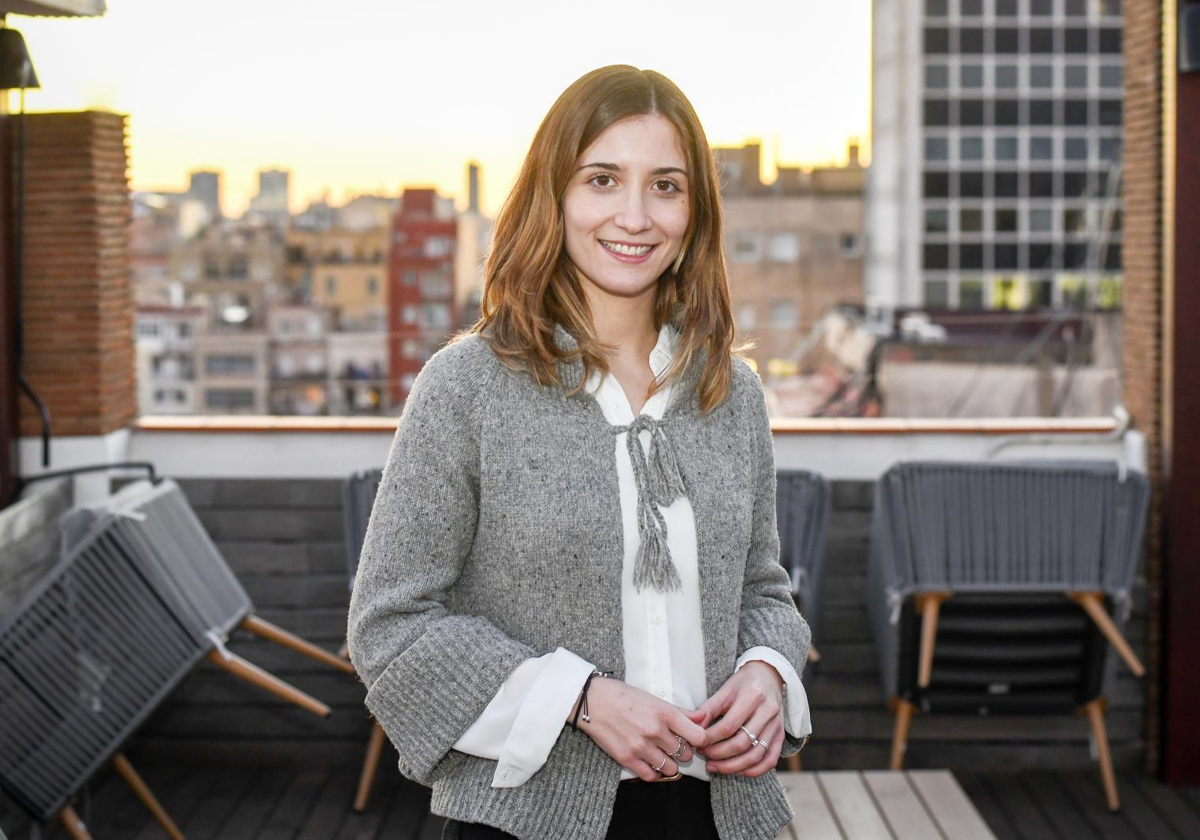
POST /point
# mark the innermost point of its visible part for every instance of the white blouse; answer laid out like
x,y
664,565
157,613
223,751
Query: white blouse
x,y
663,640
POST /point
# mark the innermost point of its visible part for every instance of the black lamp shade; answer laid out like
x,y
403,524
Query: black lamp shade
x,y
16,67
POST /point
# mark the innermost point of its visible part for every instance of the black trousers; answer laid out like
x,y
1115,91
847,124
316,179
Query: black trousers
x,y
678,810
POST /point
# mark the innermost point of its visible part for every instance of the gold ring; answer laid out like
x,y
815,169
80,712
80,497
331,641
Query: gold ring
x,y
663,764
679,750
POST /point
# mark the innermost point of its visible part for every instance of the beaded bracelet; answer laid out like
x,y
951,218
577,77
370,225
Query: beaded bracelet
x,y
582,707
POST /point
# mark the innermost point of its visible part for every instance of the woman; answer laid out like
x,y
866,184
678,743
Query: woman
x,y
569,587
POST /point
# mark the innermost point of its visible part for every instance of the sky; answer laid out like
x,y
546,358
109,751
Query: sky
x,y
374,95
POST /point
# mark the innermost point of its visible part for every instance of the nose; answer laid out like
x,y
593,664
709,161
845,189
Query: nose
x,y
632,215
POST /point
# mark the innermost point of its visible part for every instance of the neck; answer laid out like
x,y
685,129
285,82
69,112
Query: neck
x,y
624,324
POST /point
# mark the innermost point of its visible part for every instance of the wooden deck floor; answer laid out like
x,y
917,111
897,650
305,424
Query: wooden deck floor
x,y
277,803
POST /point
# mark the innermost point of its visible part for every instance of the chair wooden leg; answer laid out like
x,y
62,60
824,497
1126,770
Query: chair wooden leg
x,y
1093,605
139,787
73,824
370,764
813,655
793,763
928,604
904,715
272,633
1095,715
254,675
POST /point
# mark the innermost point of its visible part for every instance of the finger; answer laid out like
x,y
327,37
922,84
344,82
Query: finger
x,y
772,757
656,759
673,750
680,724
718,704
751,757
760,723
742,708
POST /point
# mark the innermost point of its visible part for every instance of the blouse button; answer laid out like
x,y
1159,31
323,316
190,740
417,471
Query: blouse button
x,y
660,690
656,617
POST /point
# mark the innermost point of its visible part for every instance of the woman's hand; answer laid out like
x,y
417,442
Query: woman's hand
x,y
639,730
753,698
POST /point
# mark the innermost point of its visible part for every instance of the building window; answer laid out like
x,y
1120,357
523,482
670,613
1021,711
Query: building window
x,y
1111,76
970,41
1006,8
1041,41
1075,148
435,316
970,148
1076,8
1075,76
1005,220
225,365
971,256
971,8
971,75
971,112
226,398
937,294
1110,41
1007,112
1041,293
937,148
1110,149
1075,112
937,112
330,286
970,294
1041,185
784,315
408,314
1041,148
1110,112
1041,112
1041,220
970,184
937,184
1041,76
745,316
937,8
937,76
1006,76
1006,184
410,277
438,246
1041,8
1008,40
783,247
937,40
1006,148
851,245
747,246
936,256
937,220
970,220
1008,293
372,286
1075,41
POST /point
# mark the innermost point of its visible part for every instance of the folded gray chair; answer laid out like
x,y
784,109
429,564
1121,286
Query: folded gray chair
x,y
990,585
157,529
802,503
358,498
88,649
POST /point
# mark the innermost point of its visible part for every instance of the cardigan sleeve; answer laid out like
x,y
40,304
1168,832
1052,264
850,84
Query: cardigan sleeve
x,y
429,672
769,617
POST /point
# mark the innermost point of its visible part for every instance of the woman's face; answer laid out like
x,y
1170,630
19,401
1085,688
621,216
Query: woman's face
x,y
626,207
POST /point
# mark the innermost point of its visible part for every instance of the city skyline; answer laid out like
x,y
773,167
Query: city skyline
x,y
392,97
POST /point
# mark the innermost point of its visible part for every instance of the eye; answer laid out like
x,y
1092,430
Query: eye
x,y
604,175
670,186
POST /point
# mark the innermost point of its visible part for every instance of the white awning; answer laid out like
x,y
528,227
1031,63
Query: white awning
x,y
53,8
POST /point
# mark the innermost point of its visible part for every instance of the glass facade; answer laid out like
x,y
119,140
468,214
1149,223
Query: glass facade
x,y
1021,136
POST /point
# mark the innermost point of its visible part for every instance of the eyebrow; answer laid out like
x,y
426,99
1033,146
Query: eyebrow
x,y
612,167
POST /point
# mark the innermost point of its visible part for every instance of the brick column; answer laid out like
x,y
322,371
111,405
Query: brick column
x,y
78,296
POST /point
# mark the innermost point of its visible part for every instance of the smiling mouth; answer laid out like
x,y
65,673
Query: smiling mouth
x,y
628,250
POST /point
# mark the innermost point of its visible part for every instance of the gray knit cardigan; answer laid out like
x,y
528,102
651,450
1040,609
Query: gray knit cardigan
x,y
496,536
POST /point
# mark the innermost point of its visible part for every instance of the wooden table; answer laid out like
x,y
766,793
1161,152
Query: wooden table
x,y
880,805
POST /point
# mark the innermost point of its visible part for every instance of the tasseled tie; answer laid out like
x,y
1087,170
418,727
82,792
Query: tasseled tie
x,y
658,483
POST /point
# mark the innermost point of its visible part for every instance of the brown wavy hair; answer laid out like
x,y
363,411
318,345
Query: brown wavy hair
x,y
530,283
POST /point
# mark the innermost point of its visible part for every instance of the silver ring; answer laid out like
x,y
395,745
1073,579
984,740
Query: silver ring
x,y
766,745
659,768
753,737
678,751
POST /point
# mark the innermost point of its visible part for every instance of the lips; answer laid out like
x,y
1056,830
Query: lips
x,y
626,252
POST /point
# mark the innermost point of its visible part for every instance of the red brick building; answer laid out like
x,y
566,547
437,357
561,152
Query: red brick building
x,y
421,285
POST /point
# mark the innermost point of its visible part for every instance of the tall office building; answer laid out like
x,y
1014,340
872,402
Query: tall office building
x,y
205,187
996,143
272,201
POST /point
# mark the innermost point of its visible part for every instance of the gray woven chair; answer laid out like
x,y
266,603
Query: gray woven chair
x,y
159,531
358,498
802,503
990,585
87,652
